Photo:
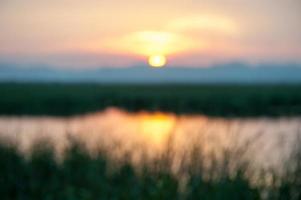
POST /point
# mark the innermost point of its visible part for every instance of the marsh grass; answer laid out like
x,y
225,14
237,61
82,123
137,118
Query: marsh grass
x,y
212,100
83,175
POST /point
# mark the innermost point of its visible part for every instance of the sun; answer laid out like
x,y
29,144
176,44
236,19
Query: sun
x,y
157,61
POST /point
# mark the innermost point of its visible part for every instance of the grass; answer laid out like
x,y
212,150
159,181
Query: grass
x,y
81,175
213,100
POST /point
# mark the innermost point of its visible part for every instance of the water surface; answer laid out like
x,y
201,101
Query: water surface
x,y
265,141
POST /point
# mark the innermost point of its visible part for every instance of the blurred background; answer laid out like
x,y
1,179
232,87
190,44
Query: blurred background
x,y
150,100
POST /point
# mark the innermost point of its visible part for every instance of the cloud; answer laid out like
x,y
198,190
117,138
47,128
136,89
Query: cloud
x,y
233,29
207,23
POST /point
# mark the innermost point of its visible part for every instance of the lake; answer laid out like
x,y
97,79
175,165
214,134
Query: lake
x,y
266,142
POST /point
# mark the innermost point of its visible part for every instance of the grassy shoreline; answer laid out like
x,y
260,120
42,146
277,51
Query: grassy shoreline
x,y
212,100
81,176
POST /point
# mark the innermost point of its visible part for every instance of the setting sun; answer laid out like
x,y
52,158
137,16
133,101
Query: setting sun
x,y
157,61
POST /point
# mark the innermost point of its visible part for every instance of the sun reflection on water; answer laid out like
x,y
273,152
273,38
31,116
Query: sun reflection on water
x,y
153,132
156,127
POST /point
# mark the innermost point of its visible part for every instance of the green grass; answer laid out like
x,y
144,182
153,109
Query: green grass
x,y
81,176
215,100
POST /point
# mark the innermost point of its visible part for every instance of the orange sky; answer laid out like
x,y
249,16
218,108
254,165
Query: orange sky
x,y
125,33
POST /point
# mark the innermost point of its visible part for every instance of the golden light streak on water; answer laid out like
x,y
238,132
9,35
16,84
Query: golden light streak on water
x,y
271,139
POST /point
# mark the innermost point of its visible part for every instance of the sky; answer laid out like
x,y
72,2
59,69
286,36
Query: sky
x,y
111,33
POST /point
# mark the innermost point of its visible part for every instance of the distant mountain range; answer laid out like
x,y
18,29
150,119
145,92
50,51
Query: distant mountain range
x,y
224,73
